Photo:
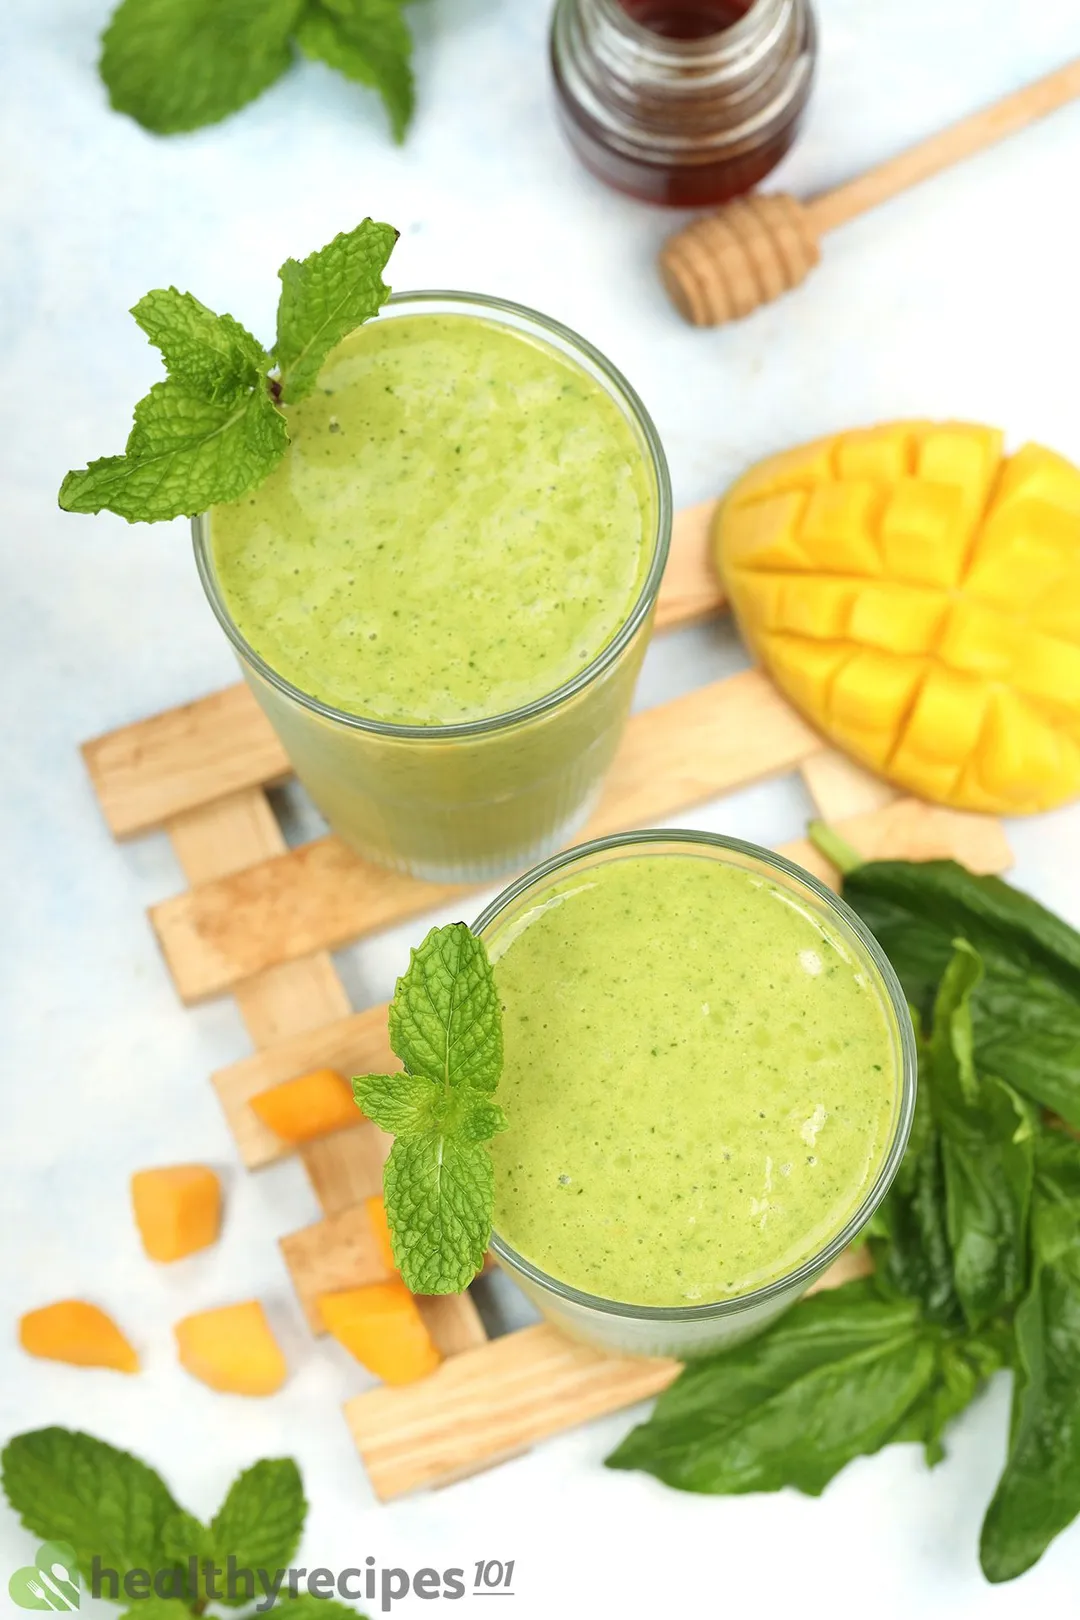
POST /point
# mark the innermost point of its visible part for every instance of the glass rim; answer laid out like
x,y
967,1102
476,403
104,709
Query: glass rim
x,y
896,1001
618,388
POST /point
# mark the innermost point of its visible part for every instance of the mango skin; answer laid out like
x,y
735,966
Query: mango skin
x,y
916,596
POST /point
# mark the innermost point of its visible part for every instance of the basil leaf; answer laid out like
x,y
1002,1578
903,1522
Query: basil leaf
x,y
834,1379
1026,1011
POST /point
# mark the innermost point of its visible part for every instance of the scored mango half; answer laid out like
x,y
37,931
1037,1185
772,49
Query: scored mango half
x,y
916,595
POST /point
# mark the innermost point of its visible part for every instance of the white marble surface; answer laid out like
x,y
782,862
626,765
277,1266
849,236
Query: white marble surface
x,y
957,300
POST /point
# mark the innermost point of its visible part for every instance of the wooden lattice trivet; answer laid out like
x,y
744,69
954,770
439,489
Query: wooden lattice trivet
x,y
259,921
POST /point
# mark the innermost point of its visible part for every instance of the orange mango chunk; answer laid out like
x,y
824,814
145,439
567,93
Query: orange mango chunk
x,y
376,1209
81,1334
177,1209
381,1326
311,1105
232,1349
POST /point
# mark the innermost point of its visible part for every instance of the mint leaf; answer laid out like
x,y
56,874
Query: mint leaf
x,y
67,1486
178,64
325,297
184,454
399,1103
367,40
439,1189
262,1517
306,1606
445,1019
439,1184
214,356
184,1537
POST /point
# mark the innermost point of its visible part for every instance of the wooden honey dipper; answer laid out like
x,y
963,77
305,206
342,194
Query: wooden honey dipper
x,y
725,265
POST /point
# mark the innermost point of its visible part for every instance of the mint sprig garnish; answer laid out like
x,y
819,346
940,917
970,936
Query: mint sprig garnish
x,y
175,65
212,430
439,1185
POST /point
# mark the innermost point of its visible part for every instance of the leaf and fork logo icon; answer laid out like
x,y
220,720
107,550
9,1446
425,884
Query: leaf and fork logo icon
x,y
50,1582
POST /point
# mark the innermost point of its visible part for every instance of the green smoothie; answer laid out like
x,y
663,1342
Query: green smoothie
x,y
463,521
700,1078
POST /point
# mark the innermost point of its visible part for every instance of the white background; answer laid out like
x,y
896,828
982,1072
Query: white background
x,y
958,300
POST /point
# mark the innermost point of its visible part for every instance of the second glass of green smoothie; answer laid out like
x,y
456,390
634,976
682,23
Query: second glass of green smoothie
x,y
442,596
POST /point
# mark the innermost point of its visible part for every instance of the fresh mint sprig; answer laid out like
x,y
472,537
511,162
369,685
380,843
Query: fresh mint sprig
x,y
175,65
213,430
446,1027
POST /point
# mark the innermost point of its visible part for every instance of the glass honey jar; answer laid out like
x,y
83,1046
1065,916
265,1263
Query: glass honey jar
x,y
685,102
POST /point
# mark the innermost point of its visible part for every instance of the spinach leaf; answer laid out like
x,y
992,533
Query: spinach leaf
x,y
1038,1494
987,1154
963,1366
952,1232
1026,1011
832,1380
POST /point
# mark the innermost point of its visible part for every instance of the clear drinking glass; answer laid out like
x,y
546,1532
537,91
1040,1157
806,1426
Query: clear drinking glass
x,y
698,1330
472,800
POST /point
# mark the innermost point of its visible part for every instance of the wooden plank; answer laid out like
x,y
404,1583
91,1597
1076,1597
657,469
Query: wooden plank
x,y
691,589
911,830
336,1253
347,1166
146,773
489,1403
840,788
356,1044
678,754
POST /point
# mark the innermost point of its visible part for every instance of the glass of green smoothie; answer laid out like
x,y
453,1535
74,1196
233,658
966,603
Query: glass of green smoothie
x,y
442,595
709,1077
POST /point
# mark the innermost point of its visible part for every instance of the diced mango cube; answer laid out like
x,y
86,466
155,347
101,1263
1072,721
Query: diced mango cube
x,y
764,533
79,1333
376,1209
381,1326
897,618
177,1209
311,1105
232,1349
924,533
840,527
885,453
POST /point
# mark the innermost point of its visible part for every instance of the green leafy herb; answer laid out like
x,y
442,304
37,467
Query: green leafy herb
x,y
262,1517
175,65
1026,1010
369,41
109,1506
953,1230
446,1027
67,1486
212,430
833,1380
1038,1494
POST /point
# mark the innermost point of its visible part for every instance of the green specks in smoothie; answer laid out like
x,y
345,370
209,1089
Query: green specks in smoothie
x,y
717,1110
472,496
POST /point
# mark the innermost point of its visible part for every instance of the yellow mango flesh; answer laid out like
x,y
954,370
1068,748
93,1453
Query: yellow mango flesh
x,y
381,1326
312,1105
79,1333
177,1209
916,595
232,1349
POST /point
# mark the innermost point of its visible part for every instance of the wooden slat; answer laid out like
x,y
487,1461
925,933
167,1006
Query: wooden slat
x,y
490,1404
691,589
840,788
145,774
347,1166
910,830
718,738
336,1253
